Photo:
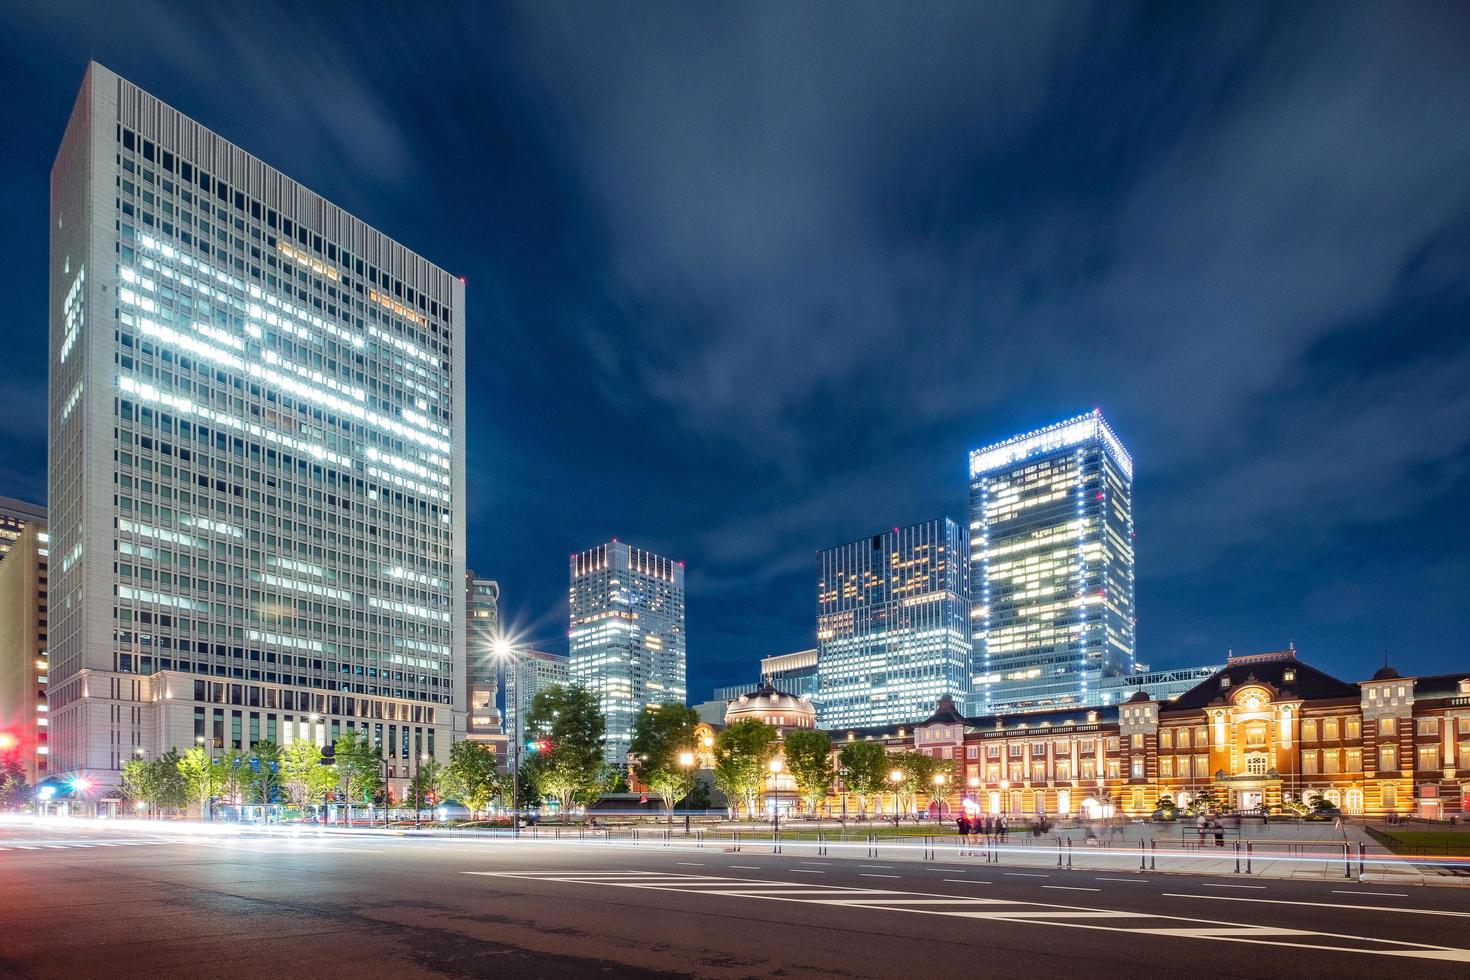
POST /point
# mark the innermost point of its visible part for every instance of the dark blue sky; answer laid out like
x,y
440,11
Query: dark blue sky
x,y
749,281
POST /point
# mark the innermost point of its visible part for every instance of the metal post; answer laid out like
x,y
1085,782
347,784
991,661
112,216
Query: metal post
x,y
1069,852
1142,857
1059,851
1248,849
1360,860
515,781
1237,857
1347,863
1153,855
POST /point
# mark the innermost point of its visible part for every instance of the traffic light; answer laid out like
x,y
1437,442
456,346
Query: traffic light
x,y
538,745
329,755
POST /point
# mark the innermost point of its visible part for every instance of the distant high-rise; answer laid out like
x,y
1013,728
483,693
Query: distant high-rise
x,y
528,672
24,665
482,666
1051,545
257,443
795,673
893,625
14,516
626,638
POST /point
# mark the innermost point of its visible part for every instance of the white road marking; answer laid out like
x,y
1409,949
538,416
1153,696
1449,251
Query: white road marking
x,y
1207,884
875,866
1002,910
806,871
691,864
1383,894
953,871
1023,874
866,875
813,862
1072,888
1129,881
746,867
968,881
1324,905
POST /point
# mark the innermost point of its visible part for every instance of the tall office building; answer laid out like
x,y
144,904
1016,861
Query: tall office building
x,y
529,672
24,665
14,516
626,639
257,456
795,673
893,625
482,620
1051,538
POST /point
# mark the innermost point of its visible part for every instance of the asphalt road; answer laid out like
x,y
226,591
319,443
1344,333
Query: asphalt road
x,y
84,902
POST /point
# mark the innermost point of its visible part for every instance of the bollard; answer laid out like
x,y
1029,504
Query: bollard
x,y
1069,852
1237,857
1153,854
1142,857
1248,848
1059,852
1347,861
1360,860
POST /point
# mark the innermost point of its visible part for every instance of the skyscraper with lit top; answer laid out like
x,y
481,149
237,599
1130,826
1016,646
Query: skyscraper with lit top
x,y
626,636
1051,546
257,457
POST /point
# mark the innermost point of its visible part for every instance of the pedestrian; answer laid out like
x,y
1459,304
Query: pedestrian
x,y
1005,827
963,823
1219,832
1200,824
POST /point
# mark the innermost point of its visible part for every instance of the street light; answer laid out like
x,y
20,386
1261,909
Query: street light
x,y
939,789
776,765
505,653
842,789
895,777
686,762
206,806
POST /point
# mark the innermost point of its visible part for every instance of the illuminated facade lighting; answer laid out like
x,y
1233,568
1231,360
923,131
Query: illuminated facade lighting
x,y
626,634
1051,548
24,661
893,625
282,531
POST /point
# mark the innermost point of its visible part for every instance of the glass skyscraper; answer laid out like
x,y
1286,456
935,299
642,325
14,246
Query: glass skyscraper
x,y
256,457
482,667
1051,545
528,672
893,625
626,637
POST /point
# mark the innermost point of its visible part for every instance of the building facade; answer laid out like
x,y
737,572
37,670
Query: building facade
x,y
482,665
14,516
1051,550
1102,690
626,638
795,672
530,671
893,625
24,664
1263,730
274,547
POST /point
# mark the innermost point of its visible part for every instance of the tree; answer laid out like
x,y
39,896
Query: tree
x,y
920,771
809,758
570,721
305,779
661,733
139,782
234,775
1203,802
263,779
473,776
359,768
743,755
426,788
168,781
202,777
867,770
14,790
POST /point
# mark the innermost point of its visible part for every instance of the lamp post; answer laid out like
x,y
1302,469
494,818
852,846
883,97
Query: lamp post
x,y
775,766
506,654
206,805
686,762
842,788
938,795
895,777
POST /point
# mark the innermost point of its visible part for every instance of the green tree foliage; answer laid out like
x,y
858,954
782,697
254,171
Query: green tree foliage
x,y
571,721
263,773
867,768
136,782
168,781
743,755
234,775
660,734
14,790
1203,802
202,777
473,776
809,759
426,788
359,768
304,778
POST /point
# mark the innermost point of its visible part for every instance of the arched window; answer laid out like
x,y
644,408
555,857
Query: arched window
x,y
1354,801
1255,763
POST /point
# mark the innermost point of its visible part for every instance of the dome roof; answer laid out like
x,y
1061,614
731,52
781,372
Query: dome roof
x,y
1139,696
1385,673
767,698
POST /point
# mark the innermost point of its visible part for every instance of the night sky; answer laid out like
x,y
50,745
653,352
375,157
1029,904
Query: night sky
x,y
745,282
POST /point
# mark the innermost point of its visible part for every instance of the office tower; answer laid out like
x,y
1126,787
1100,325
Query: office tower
x,y
627,633
795,673
527,673
1051,539
14,516
893,625
482,618
257,456
24,721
